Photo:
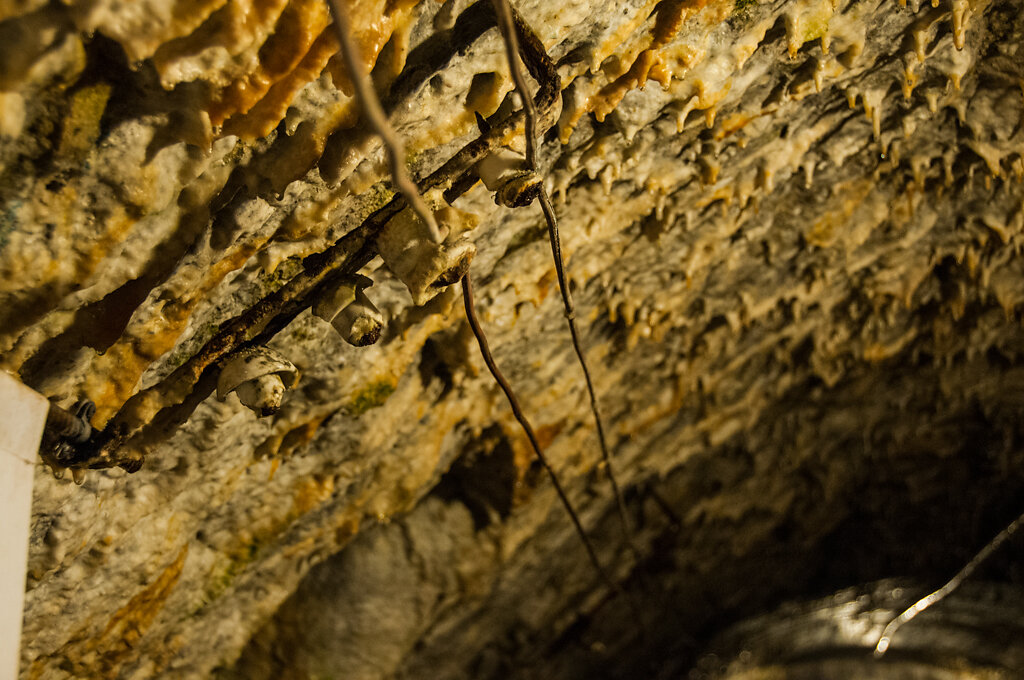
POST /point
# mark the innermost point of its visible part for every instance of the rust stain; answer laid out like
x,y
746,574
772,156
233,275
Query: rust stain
x,y
522,453
544,285
285,441
546,434
231,27
345,530
301,46
733,124
612,94
116,374
376,21
264,116
302,435
117,226
724,193
826,229
131,621
269,447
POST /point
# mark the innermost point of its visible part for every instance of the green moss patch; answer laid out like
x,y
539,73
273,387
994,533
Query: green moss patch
x,y
371,396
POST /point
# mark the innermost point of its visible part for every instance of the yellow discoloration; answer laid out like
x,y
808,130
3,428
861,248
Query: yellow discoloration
x,y
311,492
82,124
670,17
296,30
300,48
116,373
289,438
807,21
630,61
101,655
375,21
877,351
826,229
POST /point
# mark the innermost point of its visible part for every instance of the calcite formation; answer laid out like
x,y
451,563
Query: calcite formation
x,y
793,228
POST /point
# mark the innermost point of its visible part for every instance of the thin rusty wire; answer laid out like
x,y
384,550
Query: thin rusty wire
x,y
371,108
517,411
885,641
508,34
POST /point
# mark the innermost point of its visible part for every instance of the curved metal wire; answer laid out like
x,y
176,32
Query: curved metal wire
x,y
885,641
508,33
371,108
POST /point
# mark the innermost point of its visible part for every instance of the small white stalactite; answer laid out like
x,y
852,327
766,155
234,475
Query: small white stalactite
x,y
350,311
259,376
961,14
423,265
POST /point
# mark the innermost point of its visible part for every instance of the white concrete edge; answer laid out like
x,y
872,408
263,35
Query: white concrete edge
x,y
22,418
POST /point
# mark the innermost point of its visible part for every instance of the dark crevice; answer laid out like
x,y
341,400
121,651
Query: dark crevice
x,y
483,478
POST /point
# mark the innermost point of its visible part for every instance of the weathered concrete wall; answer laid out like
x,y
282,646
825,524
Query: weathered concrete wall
x,y
793,229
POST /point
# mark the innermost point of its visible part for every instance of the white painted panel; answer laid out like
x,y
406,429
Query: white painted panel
x,y
22,417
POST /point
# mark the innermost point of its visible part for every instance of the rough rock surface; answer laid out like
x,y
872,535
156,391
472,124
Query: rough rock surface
x,y
793,228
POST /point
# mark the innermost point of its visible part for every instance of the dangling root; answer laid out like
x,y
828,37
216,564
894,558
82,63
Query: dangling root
x,y
375,116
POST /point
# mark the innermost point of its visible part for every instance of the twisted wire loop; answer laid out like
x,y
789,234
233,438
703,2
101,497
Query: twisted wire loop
x,y
506,25
885,641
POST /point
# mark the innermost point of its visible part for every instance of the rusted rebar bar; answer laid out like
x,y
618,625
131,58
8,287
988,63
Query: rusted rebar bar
x,y
179,393
66,425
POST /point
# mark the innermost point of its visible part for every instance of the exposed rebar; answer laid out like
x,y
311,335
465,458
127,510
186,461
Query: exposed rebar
x,y
371,108
885,641
508,33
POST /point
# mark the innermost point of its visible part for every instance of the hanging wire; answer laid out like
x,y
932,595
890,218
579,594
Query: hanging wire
x,y
517,411
508,34
374,114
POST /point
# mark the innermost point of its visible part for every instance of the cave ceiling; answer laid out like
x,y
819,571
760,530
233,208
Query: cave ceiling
x,y
792,229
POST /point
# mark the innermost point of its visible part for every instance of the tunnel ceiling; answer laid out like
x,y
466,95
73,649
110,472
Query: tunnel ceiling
x,y
793,232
